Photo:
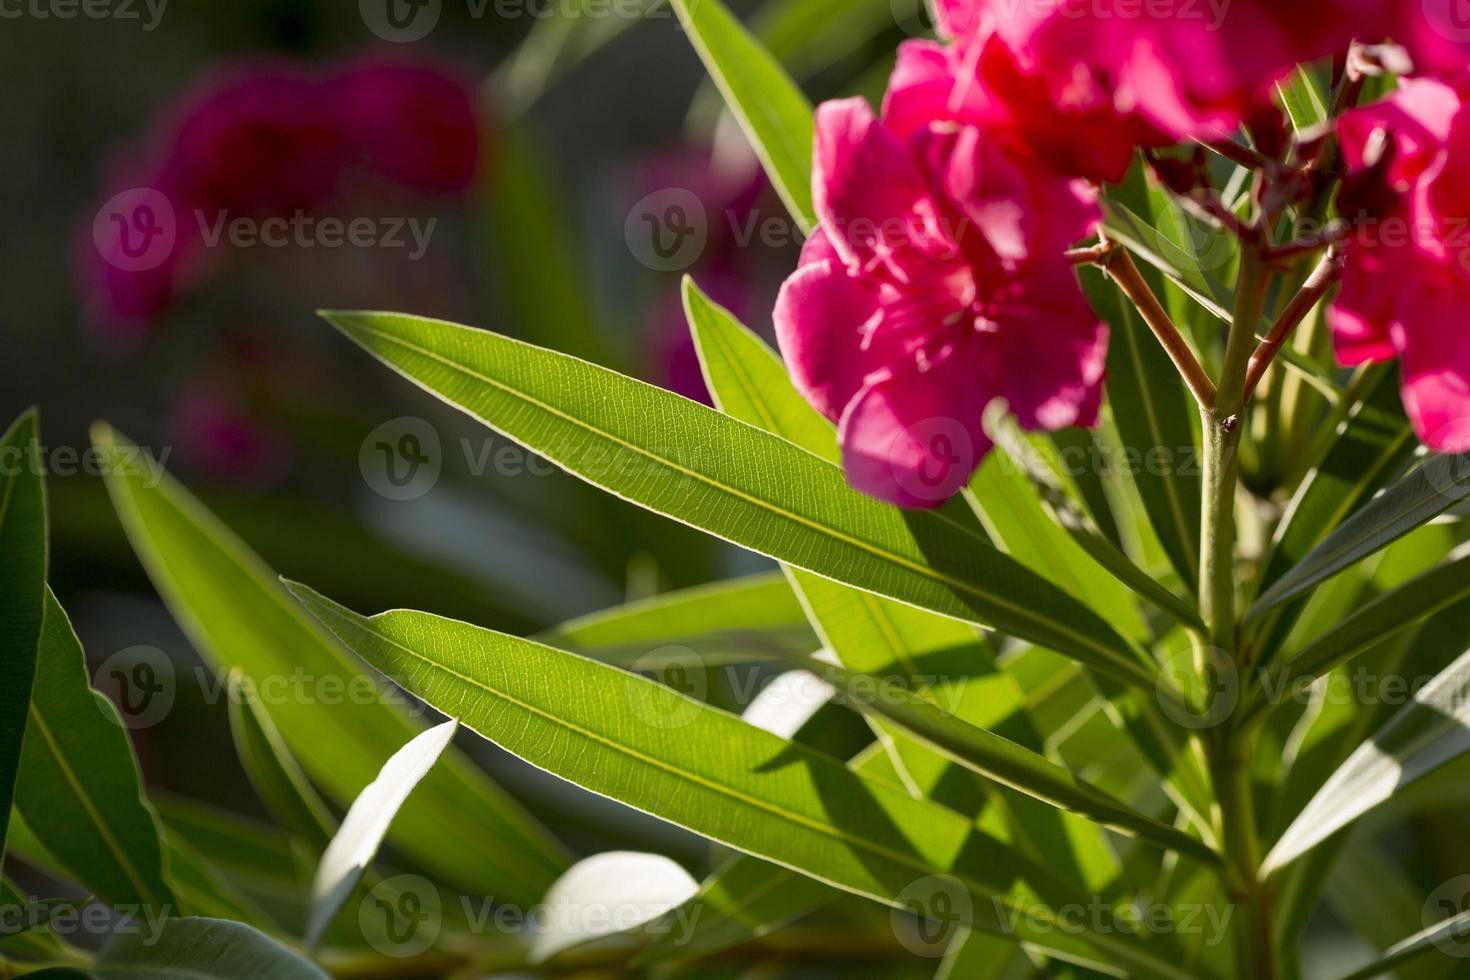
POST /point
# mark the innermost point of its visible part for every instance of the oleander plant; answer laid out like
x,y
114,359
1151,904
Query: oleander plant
x,y
1109,465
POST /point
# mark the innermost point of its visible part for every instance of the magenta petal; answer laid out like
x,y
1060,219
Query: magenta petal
x,y
1436,358
1049,350
915,439
823,316
867,190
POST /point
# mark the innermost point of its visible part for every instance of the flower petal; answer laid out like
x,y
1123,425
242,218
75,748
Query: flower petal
x,y
914,439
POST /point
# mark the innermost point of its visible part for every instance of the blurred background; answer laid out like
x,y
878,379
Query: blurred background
x,y
186,184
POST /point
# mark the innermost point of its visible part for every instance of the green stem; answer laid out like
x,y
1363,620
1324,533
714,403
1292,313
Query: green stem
x,y
1230,748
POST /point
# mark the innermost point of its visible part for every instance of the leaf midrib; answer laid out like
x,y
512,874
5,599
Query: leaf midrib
x,y
80,791
1046,626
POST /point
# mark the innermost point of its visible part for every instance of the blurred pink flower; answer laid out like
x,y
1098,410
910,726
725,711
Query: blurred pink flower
x,y
256,140
935,285
411,122
271,139
1406,287
1080,83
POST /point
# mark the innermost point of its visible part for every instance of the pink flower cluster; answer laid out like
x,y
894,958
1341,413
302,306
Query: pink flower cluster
x,y
937,282
1406,291
272,140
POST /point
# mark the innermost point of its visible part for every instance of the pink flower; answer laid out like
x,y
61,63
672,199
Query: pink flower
x,y
1437,34
257,141
1082,82
935,285
1406,287
413,123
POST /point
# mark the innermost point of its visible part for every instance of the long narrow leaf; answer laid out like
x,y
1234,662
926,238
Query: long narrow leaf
x,y
1432,731
1408,604
734,481
712,773
776,116
999,758
459,824
79,790
1423,495
751,618
23,586
274,772
357,841
187,949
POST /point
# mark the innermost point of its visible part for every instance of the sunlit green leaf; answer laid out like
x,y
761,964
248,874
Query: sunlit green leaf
x,y
651,747
776,116
79,788
1423,495
458,824
693,464
356,843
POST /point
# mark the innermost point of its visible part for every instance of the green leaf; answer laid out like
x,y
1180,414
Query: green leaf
x,y
79,789
459,825
1423,495
1429,733
23,584
274,772
628,890
22,932
752,618
743,900
776,116
1303,99
654,749
1369,625
693,464
187,949
1152,412
1371,444
748,380
997,758
1180,263
352,850
1425,943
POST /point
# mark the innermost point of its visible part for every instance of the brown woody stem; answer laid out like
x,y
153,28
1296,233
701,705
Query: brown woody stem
x,y
1120,266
